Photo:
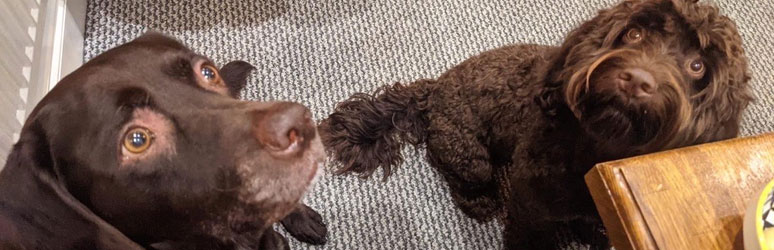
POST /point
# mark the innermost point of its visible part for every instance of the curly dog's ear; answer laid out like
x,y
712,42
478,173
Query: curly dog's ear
x,y
723,101
600,31
235,75
551,97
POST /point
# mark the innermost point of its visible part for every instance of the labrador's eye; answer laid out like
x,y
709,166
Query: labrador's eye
x,y
137,140
209,73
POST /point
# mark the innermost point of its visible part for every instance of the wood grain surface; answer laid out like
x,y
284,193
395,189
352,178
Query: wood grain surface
x,y
688,198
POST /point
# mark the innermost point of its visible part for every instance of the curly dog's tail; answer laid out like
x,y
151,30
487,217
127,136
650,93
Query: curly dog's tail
x,y
366,132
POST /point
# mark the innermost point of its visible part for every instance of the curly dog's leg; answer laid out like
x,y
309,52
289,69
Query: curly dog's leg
x,y
536,234
527,232
455,151
529,224
590,233
477,200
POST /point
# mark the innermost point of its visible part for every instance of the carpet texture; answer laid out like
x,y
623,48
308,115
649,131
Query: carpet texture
x,y
318,52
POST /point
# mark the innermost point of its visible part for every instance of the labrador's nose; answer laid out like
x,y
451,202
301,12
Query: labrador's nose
x,y
283,126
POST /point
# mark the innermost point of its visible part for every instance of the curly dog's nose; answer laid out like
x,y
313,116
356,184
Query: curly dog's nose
x,y
636,82
282,125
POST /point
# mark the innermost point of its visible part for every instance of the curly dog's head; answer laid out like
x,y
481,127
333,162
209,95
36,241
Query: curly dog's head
x,y
647,75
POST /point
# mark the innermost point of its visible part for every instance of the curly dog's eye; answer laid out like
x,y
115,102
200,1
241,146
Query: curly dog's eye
x,y
137,140
634,35
696,68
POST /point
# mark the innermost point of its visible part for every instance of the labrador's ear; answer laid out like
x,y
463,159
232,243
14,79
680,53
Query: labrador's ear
x,y
235,75
31,152
32,184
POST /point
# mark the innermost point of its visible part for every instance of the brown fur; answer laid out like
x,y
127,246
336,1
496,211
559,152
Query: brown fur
x,y
210,177
521,124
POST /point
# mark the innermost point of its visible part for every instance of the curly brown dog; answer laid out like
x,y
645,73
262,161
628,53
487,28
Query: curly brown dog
x,y
640,77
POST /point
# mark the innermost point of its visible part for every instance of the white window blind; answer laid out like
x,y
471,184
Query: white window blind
x,y
34,34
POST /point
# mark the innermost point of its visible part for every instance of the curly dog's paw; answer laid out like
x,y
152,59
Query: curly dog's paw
x,y
306,225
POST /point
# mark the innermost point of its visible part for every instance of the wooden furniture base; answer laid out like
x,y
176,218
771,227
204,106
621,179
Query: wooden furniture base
x,y
688,198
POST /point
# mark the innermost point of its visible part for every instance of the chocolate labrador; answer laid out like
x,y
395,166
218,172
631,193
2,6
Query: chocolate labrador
x,y
145,146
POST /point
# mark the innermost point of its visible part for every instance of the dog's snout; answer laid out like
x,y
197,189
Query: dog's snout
x,y
283,126
637,82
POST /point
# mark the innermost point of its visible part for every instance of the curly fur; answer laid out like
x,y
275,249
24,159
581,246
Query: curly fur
x,y
368,131
520,125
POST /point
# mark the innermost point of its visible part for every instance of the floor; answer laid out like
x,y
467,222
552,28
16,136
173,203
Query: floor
x,y
320,51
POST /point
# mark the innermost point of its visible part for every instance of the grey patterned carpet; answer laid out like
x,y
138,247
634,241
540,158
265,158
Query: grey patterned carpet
x,y
320,51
